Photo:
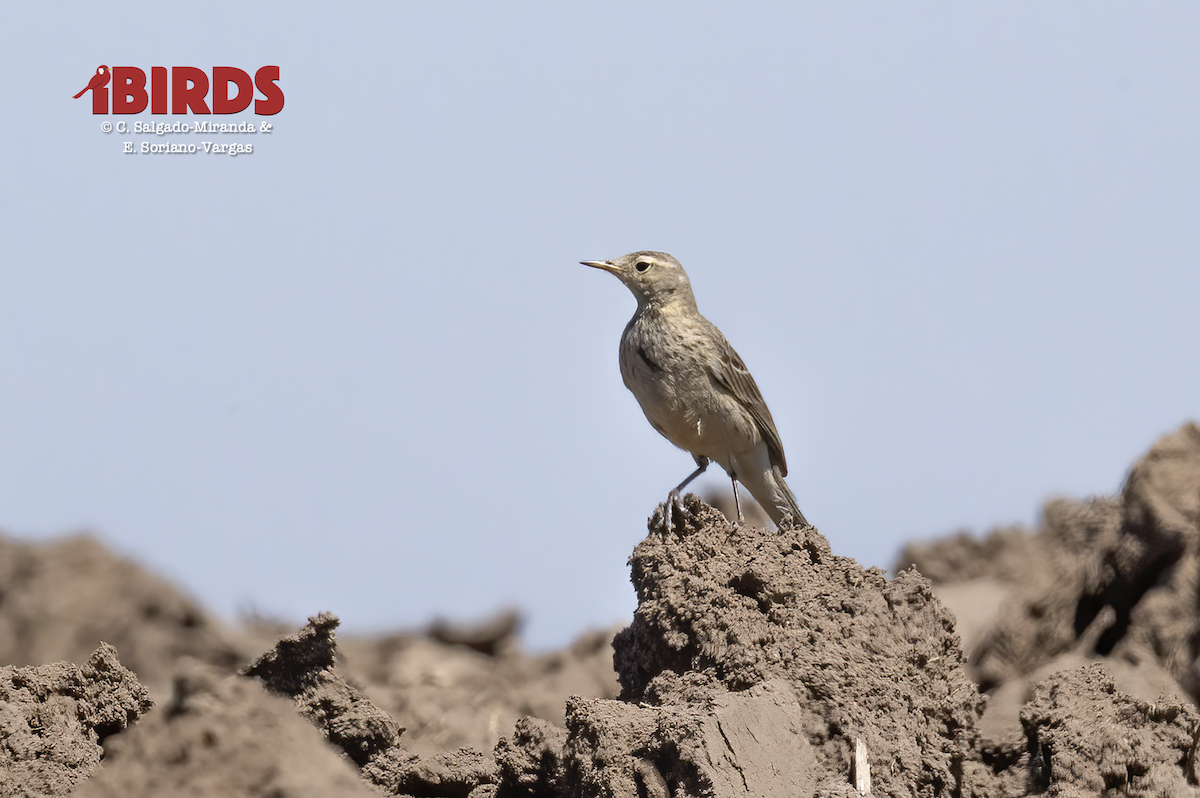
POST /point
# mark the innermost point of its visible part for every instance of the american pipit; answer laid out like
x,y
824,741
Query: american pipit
x,y
693,387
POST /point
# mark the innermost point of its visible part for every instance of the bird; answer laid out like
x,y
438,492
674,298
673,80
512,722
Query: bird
x,y
694,388
101,78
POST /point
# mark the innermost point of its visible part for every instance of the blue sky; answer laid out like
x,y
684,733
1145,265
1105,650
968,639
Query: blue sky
x,y
361,370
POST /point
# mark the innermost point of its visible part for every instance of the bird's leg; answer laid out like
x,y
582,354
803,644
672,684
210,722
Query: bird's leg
x,y
673,500
736,503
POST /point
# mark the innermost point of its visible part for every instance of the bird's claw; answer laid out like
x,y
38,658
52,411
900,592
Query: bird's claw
x,y
675,503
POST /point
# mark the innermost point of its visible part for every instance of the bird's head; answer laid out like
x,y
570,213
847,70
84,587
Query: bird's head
x,y
655,278
102,69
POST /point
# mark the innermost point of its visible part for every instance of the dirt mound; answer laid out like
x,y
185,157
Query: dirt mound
x,y
723,609
455,684
61,598
302,667
760,664
757,663
221,736
1087,738
54,717
452,696
1112,578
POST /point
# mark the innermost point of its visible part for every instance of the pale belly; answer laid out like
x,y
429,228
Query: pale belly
x,y
689,410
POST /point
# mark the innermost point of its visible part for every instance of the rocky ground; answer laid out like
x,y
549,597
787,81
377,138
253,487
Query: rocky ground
x,y
1062,661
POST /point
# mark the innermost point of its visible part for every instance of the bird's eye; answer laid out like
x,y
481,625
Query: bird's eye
x,y
642,266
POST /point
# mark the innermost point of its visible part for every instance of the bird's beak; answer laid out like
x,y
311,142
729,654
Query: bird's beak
x,y
600,264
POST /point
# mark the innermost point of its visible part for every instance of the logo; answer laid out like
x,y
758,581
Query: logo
x,y
99,80
189,89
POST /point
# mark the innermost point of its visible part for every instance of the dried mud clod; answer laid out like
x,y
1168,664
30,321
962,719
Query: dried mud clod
x,y
61,597
1121,574
54,717
751,743
491,637
303,667
773,617
1087,738
223,736
531,761
1111,579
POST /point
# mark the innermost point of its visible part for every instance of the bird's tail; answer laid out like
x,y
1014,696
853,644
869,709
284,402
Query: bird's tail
x,y
80,94
768,487
785,500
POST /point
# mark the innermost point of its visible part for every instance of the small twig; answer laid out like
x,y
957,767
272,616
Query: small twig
x,y
862,768
1190,764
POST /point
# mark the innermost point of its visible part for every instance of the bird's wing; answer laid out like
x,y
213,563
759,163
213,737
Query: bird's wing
x,y
731,374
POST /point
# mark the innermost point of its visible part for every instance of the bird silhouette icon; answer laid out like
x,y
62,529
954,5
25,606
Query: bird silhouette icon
x,y
103,73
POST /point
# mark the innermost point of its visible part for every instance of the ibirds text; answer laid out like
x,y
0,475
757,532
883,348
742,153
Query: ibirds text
x,y
189,91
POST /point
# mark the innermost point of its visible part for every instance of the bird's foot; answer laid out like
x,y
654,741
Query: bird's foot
x,y
674,510
792,521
